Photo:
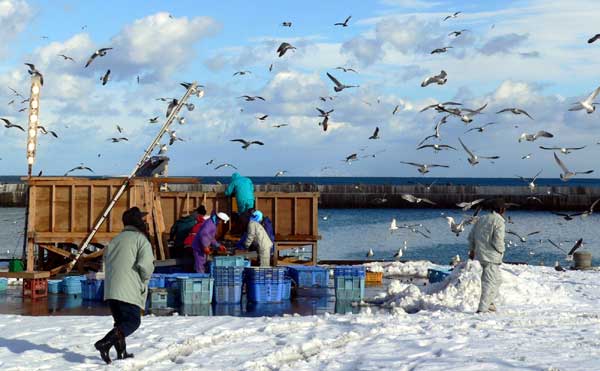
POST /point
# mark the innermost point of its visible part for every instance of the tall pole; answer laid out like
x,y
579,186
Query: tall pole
x,y
192,89
32,130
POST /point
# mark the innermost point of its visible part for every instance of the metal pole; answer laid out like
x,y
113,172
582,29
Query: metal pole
x,y
191,90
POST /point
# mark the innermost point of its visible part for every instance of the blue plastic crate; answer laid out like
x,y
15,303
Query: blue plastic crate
x,y
173,297
195,290
3,284
270,292
228,294
343,271
71,285
228,275
158,298
437,275
287,289
92,290
171,279
267,275
157,281
54,286
230,261
305,276
349,288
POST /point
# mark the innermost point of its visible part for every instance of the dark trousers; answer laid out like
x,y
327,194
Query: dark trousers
x,y
127,316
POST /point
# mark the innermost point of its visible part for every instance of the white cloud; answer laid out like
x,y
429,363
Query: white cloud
x,y
14,17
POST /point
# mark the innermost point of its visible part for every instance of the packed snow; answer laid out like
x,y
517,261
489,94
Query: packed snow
x,y
546,320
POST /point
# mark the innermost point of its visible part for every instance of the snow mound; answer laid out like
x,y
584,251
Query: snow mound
x,y
527,285
412,268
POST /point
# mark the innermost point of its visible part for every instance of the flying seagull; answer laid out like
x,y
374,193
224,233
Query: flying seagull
x,y
440,50
473,158
523,239
594,38
350,158
283,48
458,228
98,53
375,133
262,118
440,107
567,174
247,143
338,85
526,157
423,168
531,184
250,98
105,78
436,147
440,79
173,137
241,73
563,150
436,133
225,165
452,16
533,137
46,132
279,125
117,140
172,104
346,69
416,200
343,24
480,128
515,111
153,120
8,124
66,57
467,117
286,24
588,104
468,205
80,167
34,72
395,109
281,173
457,33
567,216
590,211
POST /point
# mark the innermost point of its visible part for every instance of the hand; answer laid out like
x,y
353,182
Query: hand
x,y
222,248
207,251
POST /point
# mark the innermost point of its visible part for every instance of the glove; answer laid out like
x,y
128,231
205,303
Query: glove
x,y
472,254
207,251
222,248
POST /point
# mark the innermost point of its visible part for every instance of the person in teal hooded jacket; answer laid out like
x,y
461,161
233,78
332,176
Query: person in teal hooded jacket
x,y
242,188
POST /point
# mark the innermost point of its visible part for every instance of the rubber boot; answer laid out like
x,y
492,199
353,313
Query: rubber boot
x,y
121,346
103,345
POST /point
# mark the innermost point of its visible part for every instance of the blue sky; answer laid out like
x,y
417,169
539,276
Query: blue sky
x,y
527,54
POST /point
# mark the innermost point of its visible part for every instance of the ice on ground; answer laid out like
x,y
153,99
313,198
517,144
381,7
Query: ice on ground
x,y
413,268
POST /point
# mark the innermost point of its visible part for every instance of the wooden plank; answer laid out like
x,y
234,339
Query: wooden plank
x,y
91,208
187,203
297,237
295,219
160,227
72,211
151,233
52,208
25,275
110,214
57,250
93,255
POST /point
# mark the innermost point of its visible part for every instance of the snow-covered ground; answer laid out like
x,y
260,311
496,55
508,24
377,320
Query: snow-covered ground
x,y
546,320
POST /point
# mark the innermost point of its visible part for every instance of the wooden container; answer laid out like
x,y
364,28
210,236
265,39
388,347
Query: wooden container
x,y
374,277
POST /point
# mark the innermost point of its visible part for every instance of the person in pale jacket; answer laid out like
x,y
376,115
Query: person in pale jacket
x,y
486,244
129,263
256,234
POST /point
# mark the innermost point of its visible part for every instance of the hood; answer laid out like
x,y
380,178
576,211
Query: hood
x,y
234,176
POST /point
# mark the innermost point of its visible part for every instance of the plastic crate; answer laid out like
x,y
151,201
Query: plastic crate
x,y
195,290
54,286
157,281
287,289
266,292
3,284
266,275
349,288
196,310
230,261
171,280
92,290
437,275
356,270
173,297
374,277
305,276
227,310
158,298
228,294
71,285
228,275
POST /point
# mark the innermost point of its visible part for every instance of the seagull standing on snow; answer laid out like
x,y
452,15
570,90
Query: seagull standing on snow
x,y
398,254
588,104
568,174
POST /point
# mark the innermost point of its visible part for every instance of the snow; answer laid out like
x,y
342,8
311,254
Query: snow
x,y
546,320
413,268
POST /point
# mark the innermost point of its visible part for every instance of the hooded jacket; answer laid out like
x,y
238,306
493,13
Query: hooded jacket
x,y
206,234
487,238
242,188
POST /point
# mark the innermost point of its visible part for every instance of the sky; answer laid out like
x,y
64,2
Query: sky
x,y
531,55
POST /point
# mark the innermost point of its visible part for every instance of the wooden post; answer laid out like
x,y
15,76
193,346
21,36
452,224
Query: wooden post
x,y
159,221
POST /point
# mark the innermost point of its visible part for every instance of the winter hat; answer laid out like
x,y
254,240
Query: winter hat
x,y
257,216
224,217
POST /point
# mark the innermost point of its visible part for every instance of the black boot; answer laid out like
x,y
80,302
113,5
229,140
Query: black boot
x,y
103,345
121,346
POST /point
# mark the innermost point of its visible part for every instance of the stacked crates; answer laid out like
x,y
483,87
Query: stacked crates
x,y
54,286
266,285
309,277
228,284
157,281
171,283
437,275
92,289
195,290
3,284
349,283
158,298
71,285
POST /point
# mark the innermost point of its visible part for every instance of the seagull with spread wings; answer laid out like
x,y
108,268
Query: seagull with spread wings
x,y
439,79
452,16
530,184
416,200
98,53
473,158
343,24
8,124
80,167
66,57
247,143
338,85
375,133
566,173
423,168
563,150
283,48
522,238
588,104
480,128
225,165
515,111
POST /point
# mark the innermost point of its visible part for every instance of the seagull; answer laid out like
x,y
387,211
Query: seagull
x,y
423,168
181,120
98,53
247,143
119,129
66,57
531,185
250,98
286,24
467,205
440,79
480,128
473,158
284,47
440,107
567,174
210,162
46,132
527,156
271,67
16,93
375,133
436,147
416,200
452,16
458,228
558,267
594,38
436,134
338,85
350,158
225,165
395,109
533,198
171,107
323,113
80,167
262,118
567,216
346,69
587,104
343,24
467,117
441,50
457,33
163,149
281,173
117,140
173,137
590,211
241,73
8,124
393,225
523,239
563,150
575,247
398,254
379,200
153,120
280,125
534,137
516,111
34,72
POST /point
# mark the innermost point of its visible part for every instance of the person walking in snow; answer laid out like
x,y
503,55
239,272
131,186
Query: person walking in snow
x,y
129,263
486,244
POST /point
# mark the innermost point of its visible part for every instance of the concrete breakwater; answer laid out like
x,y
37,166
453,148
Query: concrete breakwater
x,y
389,196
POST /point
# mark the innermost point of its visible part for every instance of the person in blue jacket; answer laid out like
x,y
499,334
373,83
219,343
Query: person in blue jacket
x,y
242,188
